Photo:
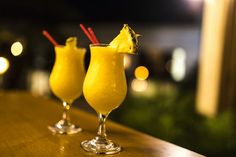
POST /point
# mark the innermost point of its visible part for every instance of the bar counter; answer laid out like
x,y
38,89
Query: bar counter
x,y
23,131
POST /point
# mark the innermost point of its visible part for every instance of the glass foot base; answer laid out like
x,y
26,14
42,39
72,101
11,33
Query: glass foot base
x,y
64,128
101,146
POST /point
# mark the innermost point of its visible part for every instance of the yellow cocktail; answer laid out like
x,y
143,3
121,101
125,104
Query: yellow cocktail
x,y
66,81
105,86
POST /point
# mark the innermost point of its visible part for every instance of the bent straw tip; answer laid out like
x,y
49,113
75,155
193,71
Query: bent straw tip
x,y
44,32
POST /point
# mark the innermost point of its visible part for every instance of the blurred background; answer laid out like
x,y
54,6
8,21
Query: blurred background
x,y
181,85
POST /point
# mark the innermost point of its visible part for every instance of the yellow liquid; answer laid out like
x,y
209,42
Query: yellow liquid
x,y
67,76
105,83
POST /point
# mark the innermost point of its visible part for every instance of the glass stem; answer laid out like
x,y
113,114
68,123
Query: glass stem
x,y
102,127
65,115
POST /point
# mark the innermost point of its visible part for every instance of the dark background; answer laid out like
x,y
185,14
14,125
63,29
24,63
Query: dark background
x,y
53,12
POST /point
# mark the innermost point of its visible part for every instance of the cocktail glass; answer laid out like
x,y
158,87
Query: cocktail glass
x,y
66,81
104,89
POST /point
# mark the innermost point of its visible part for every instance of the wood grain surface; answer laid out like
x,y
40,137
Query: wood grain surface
x,y
23,131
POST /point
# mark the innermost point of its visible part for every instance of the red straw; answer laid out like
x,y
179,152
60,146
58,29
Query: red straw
x,y
87,33
93,35
50,38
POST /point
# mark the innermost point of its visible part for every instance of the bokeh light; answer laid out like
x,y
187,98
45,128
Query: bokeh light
x,y
178,65
127,61
195,0
139,85
210,1
16,48
141,73
4,65
38,82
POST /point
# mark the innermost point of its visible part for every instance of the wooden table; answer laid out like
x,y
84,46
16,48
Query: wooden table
x,y
23,132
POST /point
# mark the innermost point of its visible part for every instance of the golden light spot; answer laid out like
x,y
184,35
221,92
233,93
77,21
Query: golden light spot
x,y
16,48
4,65
141,73
139,85
68,107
